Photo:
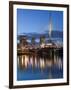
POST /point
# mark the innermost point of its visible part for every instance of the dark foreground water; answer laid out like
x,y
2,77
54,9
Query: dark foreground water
x,y
34,67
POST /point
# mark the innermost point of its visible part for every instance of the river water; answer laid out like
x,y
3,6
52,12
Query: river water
x,y
36,67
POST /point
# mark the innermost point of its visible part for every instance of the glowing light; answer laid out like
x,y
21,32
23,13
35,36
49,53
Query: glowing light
x,y
26,58
42,64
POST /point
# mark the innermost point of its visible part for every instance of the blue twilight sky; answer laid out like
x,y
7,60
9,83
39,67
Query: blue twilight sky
x,y
37,21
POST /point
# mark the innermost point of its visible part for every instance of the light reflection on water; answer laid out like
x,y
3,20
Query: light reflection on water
x,y
33,67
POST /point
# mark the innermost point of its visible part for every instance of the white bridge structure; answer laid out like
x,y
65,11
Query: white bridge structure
x,y
43,42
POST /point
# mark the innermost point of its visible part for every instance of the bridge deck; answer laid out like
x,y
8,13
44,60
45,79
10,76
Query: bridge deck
x,y
38,50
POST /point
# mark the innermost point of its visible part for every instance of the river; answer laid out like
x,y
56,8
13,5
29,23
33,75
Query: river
x,y
36,67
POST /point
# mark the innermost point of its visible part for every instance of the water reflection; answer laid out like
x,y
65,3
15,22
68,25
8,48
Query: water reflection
x,y
39,67
25,61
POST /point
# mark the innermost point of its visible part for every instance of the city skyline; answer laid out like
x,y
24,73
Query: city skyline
x,y
39,44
